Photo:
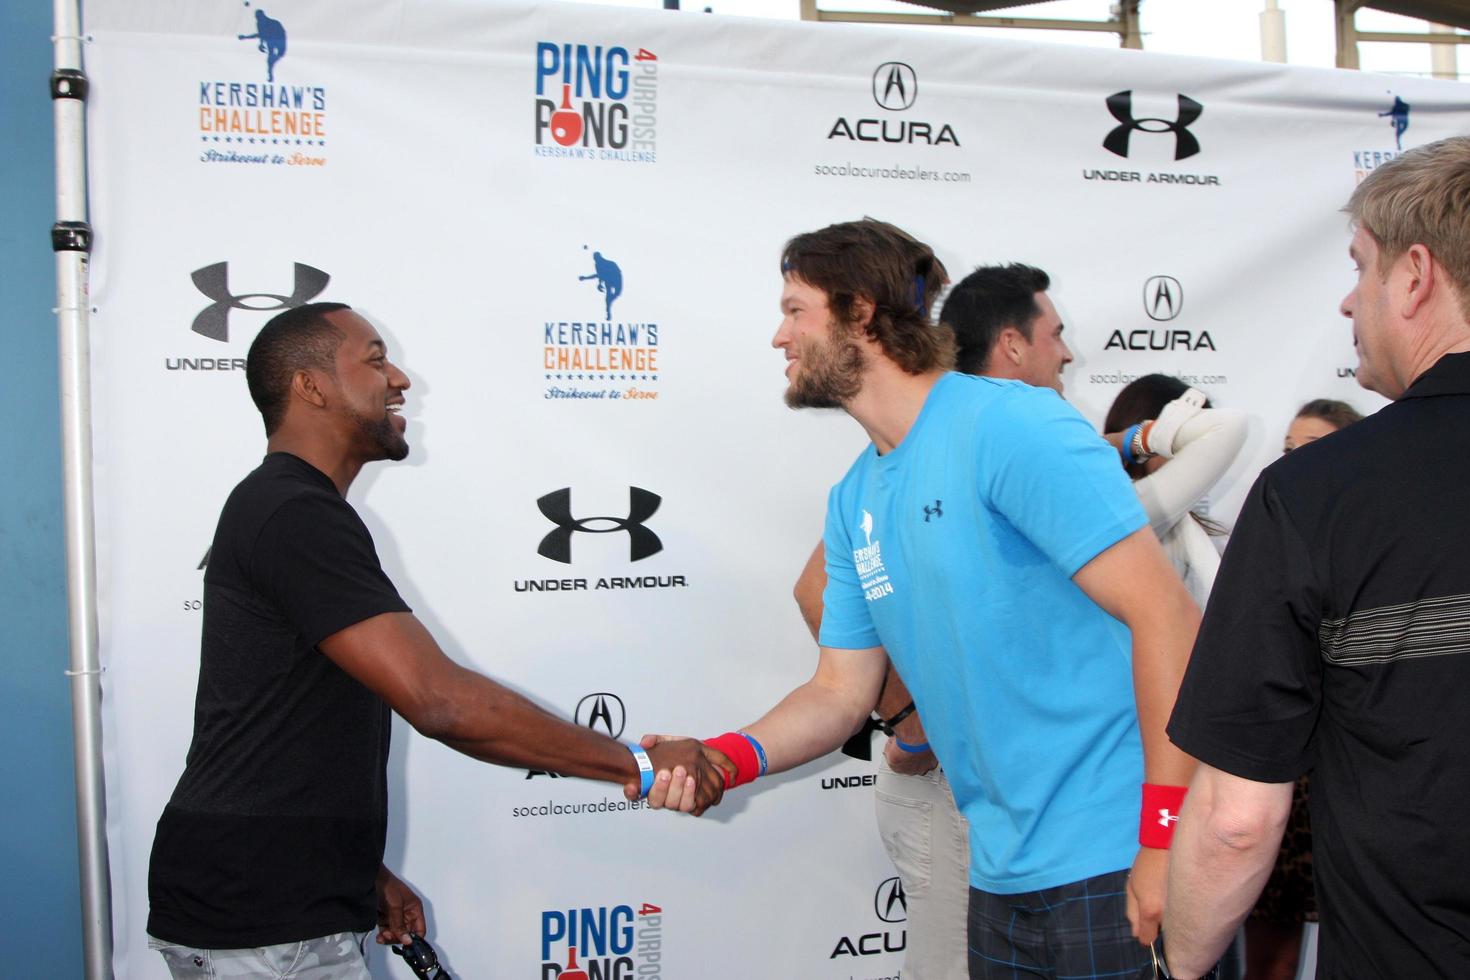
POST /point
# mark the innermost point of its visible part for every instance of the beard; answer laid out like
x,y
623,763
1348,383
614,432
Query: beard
x,y
383,436
829,373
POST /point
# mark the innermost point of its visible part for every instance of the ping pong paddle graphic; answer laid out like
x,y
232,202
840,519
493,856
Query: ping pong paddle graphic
x,y
566,123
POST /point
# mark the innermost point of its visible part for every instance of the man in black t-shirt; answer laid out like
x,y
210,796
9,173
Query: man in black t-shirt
x,y
1337,639
270,850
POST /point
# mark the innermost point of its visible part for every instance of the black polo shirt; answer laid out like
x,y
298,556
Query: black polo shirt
x,y
1337,642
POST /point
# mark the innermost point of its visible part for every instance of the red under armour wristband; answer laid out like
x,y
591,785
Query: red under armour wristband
x,y
1161,806
739,751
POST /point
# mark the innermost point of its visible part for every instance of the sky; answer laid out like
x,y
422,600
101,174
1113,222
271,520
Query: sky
x,y
1212,28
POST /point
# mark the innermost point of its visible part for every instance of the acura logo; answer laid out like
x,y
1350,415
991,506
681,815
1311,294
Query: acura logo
x,y
557,507
1163,298
895,86
1120,104
214,282
601,712
890,902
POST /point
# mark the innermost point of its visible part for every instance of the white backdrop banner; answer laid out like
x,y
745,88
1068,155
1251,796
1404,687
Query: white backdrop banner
x,y
567,221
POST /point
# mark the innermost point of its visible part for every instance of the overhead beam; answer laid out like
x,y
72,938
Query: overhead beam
x,y
1124,23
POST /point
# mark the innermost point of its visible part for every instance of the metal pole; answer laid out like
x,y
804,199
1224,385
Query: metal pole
x,y
71,239
1273,33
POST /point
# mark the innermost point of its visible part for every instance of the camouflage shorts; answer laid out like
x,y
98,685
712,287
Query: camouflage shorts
x,y
336,957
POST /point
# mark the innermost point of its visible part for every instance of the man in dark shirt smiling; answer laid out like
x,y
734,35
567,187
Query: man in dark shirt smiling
x,y
270,851
1337,640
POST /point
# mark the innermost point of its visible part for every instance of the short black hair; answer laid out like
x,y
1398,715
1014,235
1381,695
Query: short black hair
x,y
987,301
291,341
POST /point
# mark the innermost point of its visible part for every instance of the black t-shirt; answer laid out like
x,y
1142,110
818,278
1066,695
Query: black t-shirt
x,y
1337,642
276,829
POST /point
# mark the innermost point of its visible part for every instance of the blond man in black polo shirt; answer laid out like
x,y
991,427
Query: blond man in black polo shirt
x,y
1337,640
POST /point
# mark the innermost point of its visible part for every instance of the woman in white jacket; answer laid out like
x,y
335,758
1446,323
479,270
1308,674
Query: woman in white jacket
x,y
1175,447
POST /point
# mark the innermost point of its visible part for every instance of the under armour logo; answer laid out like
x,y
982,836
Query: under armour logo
x,y
935,511
1120,104
1166,818
1163,298
557,506
895,86
601,711
890,902
213,281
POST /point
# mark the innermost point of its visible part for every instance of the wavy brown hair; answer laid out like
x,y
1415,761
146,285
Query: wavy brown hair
x,y
880,263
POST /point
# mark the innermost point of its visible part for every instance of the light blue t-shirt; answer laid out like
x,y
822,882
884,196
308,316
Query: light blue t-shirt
x,y
955,551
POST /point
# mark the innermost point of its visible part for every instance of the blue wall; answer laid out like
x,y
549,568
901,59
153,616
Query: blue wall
x,y
40,903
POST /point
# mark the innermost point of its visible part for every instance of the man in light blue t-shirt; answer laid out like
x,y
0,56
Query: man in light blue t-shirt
x,y
989,543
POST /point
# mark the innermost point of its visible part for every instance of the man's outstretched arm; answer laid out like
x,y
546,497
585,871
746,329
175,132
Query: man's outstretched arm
x,y
809,722
894,700
1134,581
1223,853
395,657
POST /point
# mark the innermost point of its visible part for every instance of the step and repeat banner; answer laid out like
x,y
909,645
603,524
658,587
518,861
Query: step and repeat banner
x,y
567,221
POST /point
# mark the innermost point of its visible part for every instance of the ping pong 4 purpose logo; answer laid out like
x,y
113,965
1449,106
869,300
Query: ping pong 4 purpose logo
x,y
596,102
606,942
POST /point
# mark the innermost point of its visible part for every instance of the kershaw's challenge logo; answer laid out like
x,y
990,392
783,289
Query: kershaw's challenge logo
x,y
1163,301
868,561
213,321
1121,141
263,123
556,544
891,906
583,357
596,103
895,88
1366,161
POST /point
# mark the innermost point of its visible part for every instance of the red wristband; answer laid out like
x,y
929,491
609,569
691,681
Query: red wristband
x,y
1161,805
737,749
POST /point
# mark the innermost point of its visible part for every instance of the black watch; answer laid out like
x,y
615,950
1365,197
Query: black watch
x,y
886,725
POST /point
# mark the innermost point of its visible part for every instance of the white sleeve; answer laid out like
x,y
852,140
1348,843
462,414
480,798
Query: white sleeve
x,y
1204,448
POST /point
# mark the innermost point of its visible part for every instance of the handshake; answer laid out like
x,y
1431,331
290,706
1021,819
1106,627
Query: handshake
x,y
689,775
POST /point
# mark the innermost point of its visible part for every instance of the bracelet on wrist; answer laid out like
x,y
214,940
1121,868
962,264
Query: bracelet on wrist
x,y
1161,805
886,725
911,749
645,769
740,749
1125,445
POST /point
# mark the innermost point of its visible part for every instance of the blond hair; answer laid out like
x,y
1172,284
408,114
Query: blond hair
x,y
1421,198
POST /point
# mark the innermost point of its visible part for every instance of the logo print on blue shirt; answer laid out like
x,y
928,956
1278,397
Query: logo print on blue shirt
x,y
936,511
869,564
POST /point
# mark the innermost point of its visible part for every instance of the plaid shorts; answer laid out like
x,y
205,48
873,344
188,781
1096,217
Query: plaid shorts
x,y
1069,932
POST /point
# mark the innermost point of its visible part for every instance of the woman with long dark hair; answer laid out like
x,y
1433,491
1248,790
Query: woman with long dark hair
x,y
1176,447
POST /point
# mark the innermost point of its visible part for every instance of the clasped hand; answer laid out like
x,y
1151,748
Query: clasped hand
x,y
689,776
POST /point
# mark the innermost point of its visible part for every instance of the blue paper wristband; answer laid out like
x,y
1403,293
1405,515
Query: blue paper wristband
x,y
760,752
645,769
911,749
